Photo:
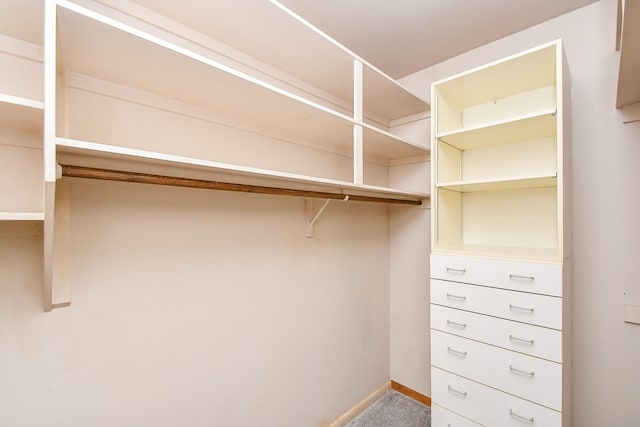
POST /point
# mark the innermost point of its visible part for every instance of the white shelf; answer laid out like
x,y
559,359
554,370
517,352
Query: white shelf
x,y
276,36
20,113
91,44
497,184
21,216
83,153
520,128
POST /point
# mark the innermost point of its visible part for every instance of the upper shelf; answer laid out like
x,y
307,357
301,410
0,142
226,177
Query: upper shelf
x,y
274,35
98,46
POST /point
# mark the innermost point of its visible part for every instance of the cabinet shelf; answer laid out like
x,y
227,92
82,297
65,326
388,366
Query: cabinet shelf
x,y
91,44
525,127
497,184
83,153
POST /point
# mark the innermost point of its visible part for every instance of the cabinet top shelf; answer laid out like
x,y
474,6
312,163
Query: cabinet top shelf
x,y
532,69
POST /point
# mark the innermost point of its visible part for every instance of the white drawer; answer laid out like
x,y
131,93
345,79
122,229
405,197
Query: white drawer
x,y
534,277
525,376
529,339
534,309
488,406
441,417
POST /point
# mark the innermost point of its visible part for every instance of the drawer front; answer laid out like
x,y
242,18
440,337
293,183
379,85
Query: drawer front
x,y
529,339
541,310
525,376
441,417
488,406
533,277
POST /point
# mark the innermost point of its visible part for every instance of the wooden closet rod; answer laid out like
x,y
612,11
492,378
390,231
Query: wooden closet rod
x,y
144,178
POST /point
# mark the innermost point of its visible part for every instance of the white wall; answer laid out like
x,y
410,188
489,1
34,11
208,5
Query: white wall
x,y
606,177
196,308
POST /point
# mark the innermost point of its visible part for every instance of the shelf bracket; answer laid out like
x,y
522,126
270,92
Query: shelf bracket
x,y
312,217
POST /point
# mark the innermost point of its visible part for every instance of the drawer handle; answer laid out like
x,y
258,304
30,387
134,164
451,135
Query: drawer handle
x,y
513,338
519,371
517,307
458,297
456,352
456,270
456,324
458,392
518,277
520,417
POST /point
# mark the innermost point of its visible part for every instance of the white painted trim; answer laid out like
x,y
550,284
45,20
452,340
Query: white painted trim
x,y
410,160
20,48
410,119
344,419
24,102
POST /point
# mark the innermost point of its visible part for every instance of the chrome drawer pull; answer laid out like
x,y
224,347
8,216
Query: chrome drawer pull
x,y
457,352
530,374
515,414
456,324
512,338
456,270
459,393
516,307
518,277
458,297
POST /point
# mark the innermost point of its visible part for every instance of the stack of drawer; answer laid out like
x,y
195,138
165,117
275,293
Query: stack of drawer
x,y
496,342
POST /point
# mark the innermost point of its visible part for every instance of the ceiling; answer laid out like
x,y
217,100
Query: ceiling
x,y
397,36
403,36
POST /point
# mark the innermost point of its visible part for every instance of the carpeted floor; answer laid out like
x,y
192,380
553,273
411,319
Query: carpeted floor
x,y
393,409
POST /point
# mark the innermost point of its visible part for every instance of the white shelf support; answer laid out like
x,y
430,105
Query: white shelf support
x,y
312,217
50,166
358,144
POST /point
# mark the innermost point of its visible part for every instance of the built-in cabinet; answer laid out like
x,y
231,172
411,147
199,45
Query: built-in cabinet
x,y
501,243
122,86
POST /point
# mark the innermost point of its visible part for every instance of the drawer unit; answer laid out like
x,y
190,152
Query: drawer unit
x,y
486,405
441,417
534,309
538,278
529,377
516,336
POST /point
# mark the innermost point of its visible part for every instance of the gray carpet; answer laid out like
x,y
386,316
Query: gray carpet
x,y
393,409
